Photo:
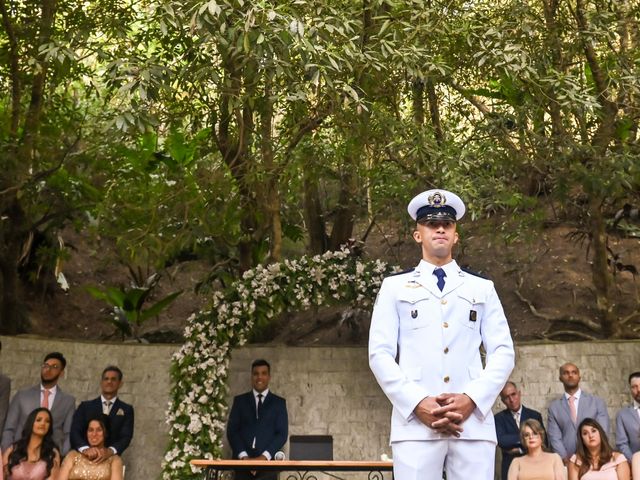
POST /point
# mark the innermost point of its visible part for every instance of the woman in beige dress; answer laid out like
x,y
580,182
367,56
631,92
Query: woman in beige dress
x,y
536,464
77,466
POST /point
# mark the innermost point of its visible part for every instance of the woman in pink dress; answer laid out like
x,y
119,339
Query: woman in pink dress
x,y
35,456
594,458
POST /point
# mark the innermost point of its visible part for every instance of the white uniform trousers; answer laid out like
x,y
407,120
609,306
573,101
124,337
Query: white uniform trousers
x,y
461,459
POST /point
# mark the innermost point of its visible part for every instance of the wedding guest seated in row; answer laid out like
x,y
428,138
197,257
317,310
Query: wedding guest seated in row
x,y
46,394
628,421
33,456
536,464
120,417
508,426
594,458
78,466
569,410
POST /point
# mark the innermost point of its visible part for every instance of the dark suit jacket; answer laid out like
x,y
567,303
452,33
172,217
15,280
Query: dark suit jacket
x,y
270,431
5,391
120,424
27,400
509,435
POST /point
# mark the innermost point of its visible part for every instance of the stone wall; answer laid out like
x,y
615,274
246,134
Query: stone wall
x,y
328,390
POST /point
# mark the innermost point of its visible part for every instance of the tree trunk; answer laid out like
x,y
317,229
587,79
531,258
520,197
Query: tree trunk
x,y
600,273
272,193
314,215
344,220
434,111
12,317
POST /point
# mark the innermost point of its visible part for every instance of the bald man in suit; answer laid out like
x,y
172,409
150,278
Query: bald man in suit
x,y
561,426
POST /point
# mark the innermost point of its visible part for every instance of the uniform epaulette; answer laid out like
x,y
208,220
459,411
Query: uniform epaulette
x,y
475,274
402,272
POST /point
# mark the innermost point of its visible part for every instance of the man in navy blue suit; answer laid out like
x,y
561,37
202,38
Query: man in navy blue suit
x,y
119,414
258,422
508,423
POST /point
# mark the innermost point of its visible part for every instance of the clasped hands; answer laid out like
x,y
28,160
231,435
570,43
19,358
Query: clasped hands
x,y
445,413
97,454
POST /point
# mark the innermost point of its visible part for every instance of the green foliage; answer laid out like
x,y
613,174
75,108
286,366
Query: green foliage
x,y
128,312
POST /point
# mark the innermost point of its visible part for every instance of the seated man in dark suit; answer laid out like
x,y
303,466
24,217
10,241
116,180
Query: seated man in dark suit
x,y
508,423
258,422
119,413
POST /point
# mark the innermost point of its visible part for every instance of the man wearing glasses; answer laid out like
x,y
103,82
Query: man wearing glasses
x,y
49,395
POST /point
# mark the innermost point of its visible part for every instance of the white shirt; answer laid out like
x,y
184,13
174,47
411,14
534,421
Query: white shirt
x,y
576,397
103,400
264,393
517,416
52,394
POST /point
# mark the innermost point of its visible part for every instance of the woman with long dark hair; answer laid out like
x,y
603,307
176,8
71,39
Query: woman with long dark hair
x,y
594,458
35,455
78,467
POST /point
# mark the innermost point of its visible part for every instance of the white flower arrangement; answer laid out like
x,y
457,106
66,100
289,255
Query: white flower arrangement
x,y
197,411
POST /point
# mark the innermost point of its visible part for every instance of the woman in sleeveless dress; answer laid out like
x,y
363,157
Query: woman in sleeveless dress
x,y
594,458
34,456
536,464
76,466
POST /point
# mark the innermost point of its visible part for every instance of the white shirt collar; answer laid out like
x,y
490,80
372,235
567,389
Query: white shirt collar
x,y
427,268
52,390
576,395
113,400
264,393
636,405
519,411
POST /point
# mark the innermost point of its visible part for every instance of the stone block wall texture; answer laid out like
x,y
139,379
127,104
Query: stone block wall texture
x,y
328,390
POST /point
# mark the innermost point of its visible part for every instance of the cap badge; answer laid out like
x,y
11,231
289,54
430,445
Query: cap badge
x,y
437,200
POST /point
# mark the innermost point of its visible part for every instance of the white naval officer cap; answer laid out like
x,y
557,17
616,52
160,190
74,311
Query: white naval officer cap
x,y
436,205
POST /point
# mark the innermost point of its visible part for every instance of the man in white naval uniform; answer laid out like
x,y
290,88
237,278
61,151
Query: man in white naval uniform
x,y
426,331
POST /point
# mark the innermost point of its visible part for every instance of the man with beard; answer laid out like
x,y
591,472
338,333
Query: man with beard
x,y
628,421
566,413
48,395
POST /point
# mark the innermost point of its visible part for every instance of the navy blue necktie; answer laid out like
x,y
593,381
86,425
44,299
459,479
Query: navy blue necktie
x,y
259,411
438,272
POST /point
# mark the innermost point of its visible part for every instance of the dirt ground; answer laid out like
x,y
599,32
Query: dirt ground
x,y
543,280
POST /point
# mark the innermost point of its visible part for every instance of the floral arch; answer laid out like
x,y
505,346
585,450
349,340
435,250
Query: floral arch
x,y
197,411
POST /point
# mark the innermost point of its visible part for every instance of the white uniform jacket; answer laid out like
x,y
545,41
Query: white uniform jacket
x,y
424,342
